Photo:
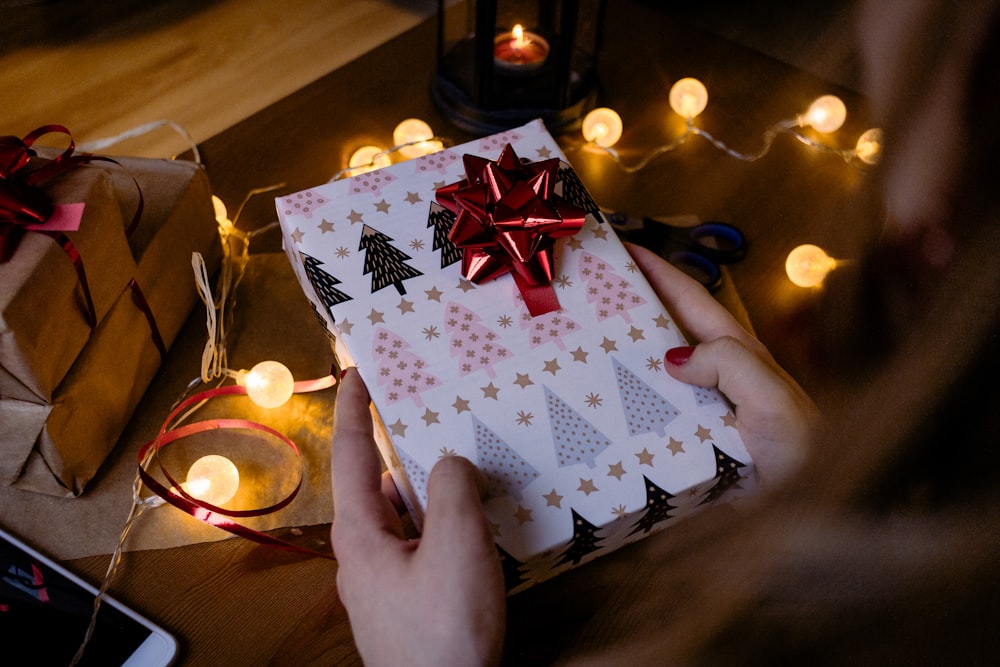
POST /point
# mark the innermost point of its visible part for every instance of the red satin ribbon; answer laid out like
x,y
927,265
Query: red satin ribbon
x,y
508,220
207,512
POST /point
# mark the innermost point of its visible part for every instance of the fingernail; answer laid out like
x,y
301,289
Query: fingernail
x,y
344,372
678,356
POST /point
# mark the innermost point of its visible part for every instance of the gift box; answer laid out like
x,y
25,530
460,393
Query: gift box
x,y
544,368
67,389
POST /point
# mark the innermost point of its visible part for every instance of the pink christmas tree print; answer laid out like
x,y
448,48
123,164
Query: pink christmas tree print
x,y
301,203
576,440
645,410
610,292
415,474
401,372
475,345
370,182
439,162
506,471
548,328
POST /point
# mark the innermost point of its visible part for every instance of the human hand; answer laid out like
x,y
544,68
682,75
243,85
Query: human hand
x,y
436,600
775,416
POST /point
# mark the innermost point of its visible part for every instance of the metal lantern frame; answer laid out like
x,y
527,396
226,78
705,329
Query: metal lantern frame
x,y
481,94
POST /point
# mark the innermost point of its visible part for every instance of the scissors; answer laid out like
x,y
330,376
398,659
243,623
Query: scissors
x,y
697,248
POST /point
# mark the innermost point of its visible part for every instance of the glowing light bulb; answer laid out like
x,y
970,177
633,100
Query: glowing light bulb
x,y
869,146
808,265
368,158
417,134
602,126
269,384
825,114
688,97
213,479
221,214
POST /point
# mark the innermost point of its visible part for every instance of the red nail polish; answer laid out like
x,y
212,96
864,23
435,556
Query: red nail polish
x,y
678,356
343,373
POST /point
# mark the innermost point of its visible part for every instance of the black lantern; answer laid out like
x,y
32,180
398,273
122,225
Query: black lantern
x,y
502,63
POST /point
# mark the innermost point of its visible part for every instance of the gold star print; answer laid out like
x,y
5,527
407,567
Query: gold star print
x,y
325,226
523,515
729,419
544,152
354,217
675,447
609,345
345,327
505,321
636,334
430,417
600,233
297,235
375,317
616,470
523,380
580,355
553,499
413,197
405,306
593,400
431,332
703,433
461,405
465,285
343,252
524,418
562,281
654,364
619,512
382,206
632,267
446,452
662,321
433,294
645,457
552,366
587,486
398,428
575,244
490,391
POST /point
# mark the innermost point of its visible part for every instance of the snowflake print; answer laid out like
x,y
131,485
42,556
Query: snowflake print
x,y
594,400
431,332
524,418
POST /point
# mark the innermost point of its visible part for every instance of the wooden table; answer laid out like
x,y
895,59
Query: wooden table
x,y
237,603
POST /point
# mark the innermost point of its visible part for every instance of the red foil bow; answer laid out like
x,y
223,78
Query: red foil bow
x,y
508,220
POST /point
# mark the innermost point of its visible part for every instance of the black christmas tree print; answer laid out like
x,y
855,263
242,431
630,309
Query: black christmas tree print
x,y
645,410
513,575
506,471
611,294
416,475
403,373
442,220
574,191
727,475
575,439
323,283
475,345
585,541
657,507
385,262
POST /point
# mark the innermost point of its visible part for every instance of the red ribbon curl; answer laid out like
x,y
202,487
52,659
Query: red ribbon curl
x,y
508,220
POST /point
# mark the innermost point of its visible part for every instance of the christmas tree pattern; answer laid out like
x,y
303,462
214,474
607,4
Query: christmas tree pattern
x,y
585,541
548,328
645,410
476,346
323,283
575,192
415,474
707,396
657,507
385,262
442,220
575,439
403,373
506,471
513,575
727,475
610,292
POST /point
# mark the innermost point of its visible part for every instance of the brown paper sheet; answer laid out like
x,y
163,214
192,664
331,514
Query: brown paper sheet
x,y
272,320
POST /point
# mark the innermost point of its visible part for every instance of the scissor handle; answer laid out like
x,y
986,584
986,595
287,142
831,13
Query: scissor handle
x,y
727,243
699,267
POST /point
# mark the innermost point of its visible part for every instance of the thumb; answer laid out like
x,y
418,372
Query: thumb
x,y
454,505
728,364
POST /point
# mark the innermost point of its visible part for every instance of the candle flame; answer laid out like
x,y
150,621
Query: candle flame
x,y
519,40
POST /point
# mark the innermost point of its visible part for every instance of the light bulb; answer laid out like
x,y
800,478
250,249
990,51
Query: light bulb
x,y
417,134
688,97
869,146
825,114
808,265
602,126
269,384
212,479
368,158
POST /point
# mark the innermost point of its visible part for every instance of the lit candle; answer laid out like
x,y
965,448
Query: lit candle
x,y
520,50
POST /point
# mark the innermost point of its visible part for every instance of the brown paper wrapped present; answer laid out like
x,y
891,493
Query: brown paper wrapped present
x,y
54,441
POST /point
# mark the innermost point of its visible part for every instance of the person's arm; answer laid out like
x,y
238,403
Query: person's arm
x,y
435,601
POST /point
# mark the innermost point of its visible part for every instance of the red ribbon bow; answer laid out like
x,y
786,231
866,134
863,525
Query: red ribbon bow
x,y
508,220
